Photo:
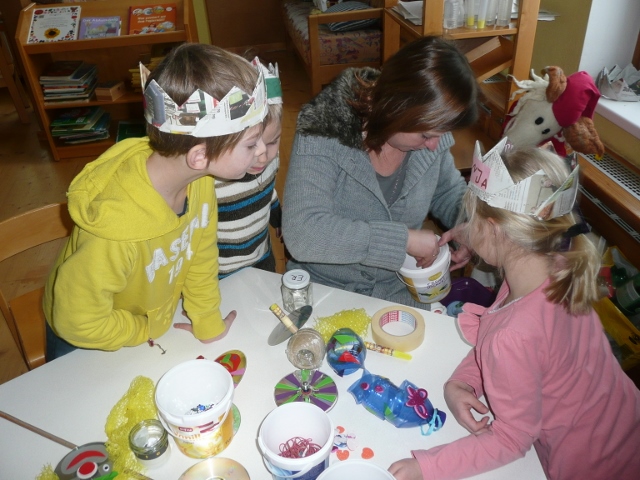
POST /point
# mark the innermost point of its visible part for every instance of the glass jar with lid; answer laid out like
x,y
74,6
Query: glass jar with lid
x,y
150,443
296,289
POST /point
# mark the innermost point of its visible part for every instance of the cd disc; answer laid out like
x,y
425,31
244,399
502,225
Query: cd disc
x,y
216,468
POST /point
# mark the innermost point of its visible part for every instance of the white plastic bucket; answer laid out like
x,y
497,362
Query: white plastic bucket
x,y
193,400
355,470
297,419
427,285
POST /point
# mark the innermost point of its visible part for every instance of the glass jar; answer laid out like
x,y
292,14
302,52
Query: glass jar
x,y
149,442
296,290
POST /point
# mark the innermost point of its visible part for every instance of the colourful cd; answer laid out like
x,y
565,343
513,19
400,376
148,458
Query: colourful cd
x,y
323,392
235,362
216,468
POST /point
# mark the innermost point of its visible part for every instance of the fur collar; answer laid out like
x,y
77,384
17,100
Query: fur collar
x,y
330,115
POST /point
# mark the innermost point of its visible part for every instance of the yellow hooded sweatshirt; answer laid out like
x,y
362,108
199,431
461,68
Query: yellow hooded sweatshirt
x,y
119,278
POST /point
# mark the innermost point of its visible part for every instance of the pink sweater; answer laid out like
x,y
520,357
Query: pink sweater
x,y
551,380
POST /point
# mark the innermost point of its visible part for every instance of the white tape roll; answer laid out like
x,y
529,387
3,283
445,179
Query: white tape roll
x,y
398,327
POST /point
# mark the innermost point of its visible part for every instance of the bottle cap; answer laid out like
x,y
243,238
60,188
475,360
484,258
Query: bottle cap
x,y
296,279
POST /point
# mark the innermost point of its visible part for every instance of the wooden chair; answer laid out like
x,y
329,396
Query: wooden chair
x,y
23,313
324,53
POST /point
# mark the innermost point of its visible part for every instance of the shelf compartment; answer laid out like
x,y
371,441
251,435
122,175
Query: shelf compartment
x,y
102,43
491,57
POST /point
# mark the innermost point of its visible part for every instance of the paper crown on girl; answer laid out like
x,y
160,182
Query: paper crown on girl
x,y
202,115
535,195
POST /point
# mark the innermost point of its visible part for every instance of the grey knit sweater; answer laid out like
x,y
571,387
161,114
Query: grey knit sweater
x,y
336,222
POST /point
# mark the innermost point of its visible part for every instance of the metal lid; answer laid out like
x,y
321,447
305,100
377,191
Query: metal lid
x,y
296,279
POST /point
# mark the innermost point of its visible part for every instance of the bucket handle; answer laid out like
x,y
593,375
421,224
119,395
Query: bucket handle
x,y
170,430
402,279
278,472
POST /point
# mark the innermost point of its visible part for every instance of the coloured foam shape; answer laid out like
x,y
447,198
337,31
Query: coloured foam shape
x,y
405,406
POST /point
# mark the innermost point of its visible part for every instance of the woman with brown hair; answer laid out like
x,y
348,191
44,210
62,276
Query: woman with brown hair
x,y
370,160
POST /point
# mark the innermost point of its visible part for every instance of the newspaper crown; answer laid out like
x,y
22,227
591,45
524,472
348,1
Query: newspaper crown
x,y
272,80
535,196
202,115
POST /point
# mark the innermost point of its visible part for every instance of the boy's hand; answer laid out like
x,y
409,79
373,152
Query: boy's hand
x,y
228,321
406,469
460,400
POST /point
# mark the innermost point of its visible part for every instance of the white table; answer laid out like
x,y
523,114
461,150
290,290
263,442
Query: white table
x,y
72,396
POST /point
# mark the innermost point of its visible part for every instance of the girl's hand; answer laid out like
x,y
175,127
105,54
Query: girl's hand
x,y
423,246
228,321
406,469
461,400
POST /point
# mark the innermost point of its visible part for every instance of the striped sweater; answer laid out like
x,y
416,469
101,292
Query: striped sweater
x,y
246,208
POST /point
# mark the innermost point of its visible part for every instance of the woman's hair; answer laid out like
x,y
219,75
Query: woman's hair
x,y
428,85
574,260
187,68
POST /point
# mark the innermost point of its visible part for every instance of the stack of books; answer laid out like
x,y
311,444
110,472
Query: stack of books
x,y
68,81
81,125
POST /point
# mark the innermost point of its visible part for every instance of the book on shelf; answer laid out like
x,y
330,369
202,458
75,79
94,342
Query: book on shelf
x,y
158,18
54,24
58,73
75,116
99,27
95,127
131,129
68,82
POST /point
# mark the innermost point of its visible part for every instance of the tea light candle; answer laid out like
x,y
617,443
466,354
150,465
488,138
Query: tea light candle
x,y
149,442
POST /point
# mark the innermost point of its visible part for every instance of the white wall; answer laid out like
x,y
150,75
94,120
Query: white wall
x,y
612,34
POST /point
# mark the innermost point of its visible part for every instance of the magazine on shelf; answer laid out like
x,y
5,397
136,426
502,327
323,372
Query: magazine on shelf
x,y
130,129
411,11
59,74
76,116
99,27
158,18
54,24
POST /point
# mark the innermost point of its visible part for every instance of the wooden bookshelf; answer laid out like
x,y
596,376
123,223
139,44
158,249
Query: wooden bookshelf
x,y
114,57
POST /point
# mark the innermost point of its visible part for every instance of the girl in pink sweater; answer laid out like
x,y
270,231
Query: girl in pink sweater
x,y
541,358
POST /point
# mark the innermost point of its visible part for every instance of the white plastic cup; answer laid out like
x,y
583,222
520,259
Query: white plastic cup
x,y
355,470
430,284
185,387
297,419
504,13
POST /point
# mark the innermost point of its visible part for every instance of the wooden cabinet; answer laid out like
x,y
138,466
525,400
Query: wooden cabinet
x,y
490,51
114,57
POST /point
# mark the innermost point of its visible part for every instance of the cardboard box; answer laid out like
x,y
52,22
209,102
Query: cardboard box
x,y
110,90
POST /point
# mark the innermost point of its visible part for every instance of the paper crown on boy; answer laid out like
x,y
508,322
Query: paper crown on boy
x,y
202,115
491,182
272,80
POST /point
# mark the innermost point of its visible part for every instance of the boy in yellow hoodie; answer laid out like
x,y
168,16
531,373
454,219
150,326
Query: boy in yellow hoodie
x,y
146,212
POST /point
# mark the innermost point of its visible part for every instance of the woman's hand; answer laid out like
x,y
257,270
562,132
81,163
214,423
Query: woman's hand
x,y
423,246
228,321
406,469
461,256
461,400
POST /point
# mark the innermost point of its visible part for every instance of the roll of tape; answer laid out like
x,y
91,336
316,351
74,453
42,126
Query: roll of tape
x,y
398,327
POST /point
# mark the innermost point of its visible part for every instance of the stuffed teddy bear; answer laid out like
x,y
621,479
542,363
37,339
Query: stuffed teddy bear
x,y
556,107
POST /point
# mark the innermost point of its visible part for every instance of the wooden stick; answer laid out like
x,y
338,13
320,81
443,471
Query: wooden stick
x,y
37,430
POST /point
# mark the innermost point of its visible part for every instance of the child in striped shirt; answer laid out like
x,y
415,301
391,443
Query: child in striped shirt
x,y
246,207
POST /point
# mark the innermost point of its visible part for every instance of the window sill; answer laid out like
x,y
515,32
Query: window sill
x,y
624,114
